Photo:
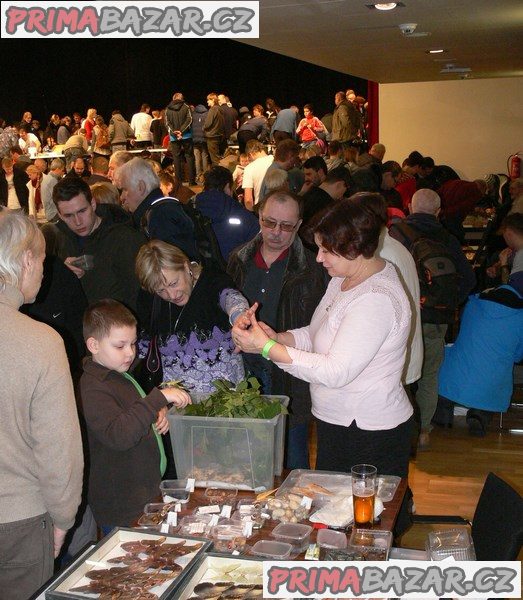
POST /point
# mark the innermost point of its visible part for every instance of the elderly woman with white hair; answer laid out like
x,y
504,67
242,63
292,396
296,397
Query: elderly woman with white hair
x,y
159,217
40,444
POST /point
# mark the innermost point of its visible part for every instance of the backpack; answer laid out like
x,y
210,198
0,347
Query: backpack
x,y
205,238
437,274
102,139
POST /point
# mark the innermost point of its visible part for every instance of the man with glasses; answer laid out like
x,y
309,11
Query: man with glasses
x,y
278,272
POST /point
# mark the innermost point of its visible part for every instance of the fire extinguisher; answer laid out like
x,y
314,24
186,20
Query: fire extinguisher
x,y
514,165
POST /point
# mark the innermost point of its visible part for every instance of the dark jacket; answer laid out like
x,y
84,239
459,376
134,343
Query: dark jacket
x,y
61,303
159,131
114,247
20,179
432,228
259,126
304,284
124,469
232,224
178,117
346,122
167,222
199,115
230,119
213,126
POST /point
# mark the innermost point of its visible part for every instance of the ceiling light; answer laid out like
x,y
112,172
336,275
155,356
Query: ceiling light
x,y
436,51
386,5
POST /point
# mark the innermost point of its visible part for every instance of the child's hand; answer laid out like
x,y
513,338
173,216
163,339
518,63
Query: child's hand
x,y
180,398
162,424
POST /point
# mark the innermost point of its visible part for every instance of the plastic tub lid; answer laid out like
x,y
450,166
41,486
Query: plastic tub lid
x,y
295,533
335,540
270,549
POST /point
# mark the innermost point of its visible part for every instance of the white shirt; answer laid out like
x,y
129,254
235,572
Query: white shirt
x,y
141,125
353,353
254,174
12,198
396,253
32,142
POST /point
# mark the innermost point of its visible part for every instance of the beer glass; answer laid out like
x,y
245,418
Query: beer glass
x,y
364,488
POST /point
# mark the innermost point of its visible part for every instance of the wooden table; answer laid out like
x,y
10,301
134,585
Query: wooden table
x,y
386,523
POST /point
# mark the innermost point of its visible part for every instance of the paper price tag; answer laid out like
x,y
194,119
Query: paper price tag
x,y
226,511
247,528
214,520
235,553
306,502
209,510
164,528
177,507
190,485
246,508
172,518
197,527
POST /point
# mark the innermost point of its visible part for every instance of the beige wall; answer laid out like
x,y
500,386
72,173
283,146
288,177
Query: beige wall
x,y
472,125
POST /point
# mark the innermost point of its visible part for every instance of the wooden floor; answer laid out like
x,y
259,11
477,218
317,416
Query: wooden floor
x,y
448,478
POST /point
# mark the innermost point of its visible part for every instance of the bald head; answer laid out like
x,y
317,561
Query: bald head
x,y
378,151
425,201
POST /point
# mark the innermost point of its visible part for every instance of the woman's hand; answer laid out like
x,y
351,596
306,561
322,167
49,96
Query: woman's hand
x,y
268,330
162,424
250,340
180,398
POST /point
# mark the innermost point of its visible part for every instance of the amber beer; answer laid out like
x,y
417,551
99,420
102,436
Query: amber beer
x,y
364,484
364,508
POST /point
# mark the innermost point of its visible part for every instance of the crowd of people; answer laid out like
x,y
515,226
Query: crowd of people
x,y
305,259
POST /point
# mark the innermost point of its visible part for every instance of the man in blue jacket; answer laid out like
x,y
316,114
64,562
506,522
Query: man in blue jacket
x,y
233,225
159,219
477,369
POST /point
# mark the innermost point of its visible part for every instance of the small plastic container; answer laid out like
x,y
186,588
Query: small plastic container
x,y
150,522
221,496
197,525
296,534
373,544
250,510
451,542
228,538
287,508
272,549
173,490
333,540
407,554
387,486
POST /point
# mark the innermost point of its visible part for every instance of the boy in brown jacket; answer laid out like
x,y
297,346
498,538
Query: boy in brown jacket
x,y
123,424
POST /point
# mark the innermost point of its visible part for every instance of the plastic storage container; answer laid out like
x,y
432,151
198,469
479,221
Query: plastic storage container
x,y
229,538
334,540
173,490
451,542
296,534
226,452
274,550
373,544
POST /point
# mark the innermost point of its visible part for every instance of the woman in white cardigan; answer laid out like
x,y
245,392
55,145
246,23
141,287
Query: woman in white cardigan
x,y
353,352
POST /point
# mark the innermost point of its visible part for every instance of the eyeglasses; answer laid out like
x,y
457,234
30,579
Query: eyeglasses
x,y
270,224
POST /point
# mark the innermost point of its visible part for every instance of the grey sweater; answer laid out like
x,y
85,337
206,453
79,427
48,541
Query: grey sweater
x,y
41,460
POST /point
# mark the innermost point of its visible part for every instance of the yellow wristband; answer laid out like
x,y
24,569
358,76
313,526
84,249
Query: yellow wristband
x,y
267,348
